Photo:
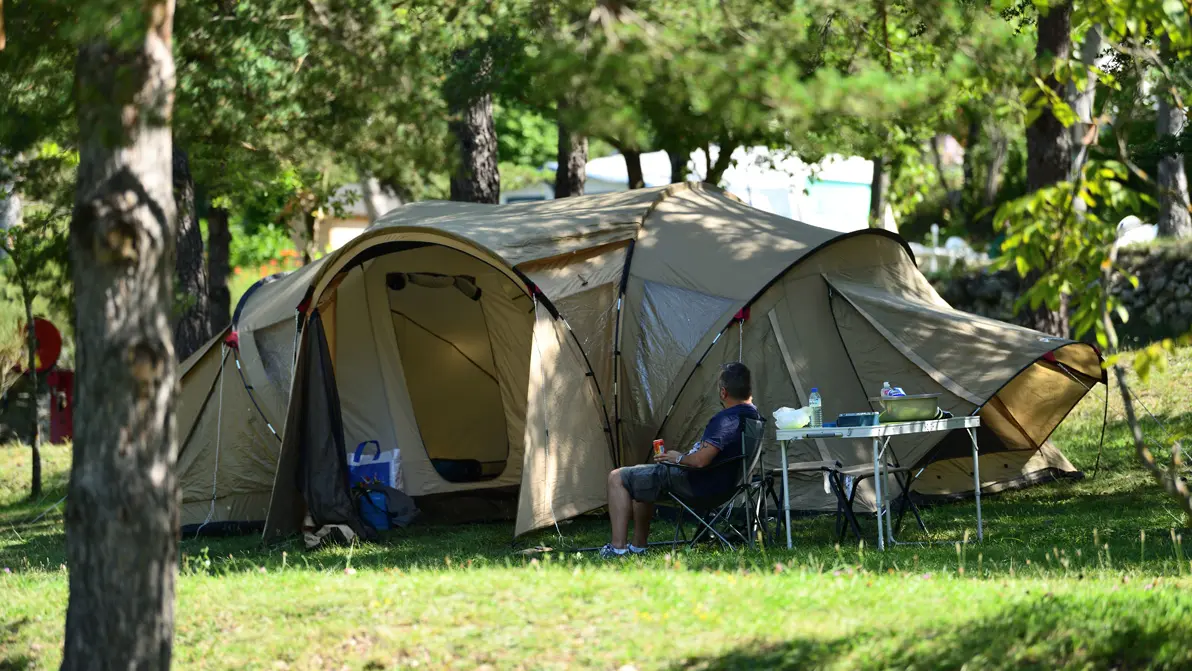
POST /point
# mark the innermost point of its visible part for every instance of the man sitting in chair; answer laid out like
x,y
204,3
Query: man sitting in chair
x,y
636,488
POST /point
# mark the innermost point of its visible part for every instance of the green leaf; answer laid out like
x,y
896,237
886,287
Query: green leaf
x,y
1123,314
1021,265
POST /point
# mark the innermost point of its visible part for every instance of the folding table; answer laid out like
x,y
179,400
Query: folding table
x,y
880,435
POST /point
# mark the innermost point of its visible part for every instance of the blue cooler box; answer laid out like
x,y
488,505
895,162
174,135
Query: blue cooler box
x,y
857,419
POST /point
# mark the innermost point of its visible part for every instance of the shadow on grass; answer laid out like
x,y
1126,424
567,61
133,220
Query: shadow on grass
x,y
8,638
1119,632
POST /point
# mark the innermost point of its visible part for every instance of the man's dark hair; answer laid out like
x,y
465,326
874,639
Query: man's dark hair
x,y
736,381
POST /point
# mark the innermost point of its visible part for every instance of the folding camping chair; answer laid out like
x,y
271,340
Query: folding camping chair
x,y
834,474
713,511
903,475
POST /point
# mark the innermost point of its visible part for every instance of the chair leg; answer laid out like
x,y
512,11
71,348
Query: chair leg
x,y
707,528
678,528
847,507
904,502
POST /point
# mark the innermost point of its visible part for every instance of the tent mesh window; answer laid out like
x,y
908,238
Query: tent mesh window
x,y
276,346
673,320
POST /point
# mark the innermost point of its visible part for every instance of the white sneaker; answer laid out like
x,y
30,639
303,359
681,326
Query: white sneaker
x,y
610,552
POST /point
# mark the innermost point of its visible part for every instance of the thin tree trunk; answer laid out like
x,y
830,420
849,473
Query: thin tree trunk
x,y
1000,153
34,395
724,161
573,159
967,202
219,239
307,236
1049,145
951,197
633,166
1082,103
879,191
122,511
192,319
1175,219
678,164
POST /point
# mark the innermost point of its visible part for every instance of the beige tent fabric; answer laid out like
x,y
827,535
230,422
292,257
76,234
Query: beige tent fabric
x,y
567,450
524,232
225,468
902,332
839,312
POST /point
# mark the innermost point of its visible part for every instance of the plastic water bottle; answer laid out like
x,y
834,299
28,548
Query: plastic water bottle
x,y
817,408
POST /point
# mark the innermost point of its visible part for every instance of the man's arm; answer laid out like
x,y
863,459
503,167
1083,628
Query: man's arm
x,y
701,457
698,459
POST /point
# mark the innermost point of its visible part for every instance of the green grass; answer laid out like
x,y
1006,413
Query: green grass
x,y
1062,581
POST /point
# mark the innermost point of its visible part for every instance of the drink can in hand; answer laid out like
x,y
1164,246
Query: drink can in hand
x,y
659,447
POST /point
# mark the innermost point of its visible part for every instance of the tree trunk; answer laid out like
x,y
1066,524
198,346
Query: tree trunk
x,y
477,178
306,236
192,319
952,197
1049,144
122,510
969,174
879,191
633,166
678,164
1082,104
1175,219
999,153
10,204
219,239
573,160
34,395
724,161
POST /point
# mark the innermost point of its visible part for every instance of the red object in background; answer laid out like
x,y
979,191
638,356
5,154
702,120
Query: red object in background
x,y
49,345
742,314
61,384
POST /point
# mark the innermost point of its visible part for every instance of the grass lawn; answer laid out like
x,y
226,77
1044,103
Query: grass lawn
x,y
1063,580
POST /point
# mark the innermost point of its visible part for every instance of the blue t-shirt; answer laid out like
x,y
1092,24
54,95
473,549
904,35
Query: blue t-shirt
x,y
724,431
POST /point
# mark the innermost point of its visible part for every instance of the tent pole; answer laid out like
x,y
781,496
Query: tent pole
x,y
218,434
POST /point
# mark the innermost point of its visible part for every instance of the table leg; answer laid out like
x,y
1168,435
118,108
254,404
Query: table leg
x,y
886,491
878,490
786,493
977,483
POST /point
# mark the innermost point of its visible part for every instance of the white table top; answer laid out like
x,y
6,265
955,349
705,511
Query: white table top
x,y
881,430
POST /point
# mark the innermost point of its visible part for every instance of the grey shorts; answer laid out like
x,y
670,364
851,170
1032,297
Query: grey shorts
x,y
650,482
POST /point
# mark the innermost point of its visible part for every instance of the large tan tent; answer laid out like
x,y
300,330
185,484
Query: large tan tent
x,y
595,329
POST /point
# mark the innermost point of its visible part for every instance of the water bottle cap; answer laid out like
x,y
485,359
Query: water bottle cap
x,y
815,390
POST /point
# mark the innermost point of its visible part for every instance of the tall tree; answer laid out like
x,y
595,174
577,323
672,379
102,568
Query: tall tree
x,y
573,158
1175,218
476,177
122,510
633,167
219,240
1049,144
191,318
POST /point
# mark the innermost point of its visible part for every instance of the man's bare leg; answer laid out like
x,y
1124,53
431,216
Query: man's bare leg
x,y
619,505
642,514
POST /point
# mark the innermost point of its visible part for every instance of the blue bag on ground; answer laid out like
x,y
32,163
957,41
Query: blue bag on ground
x,y
384,508
379,466
374,510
